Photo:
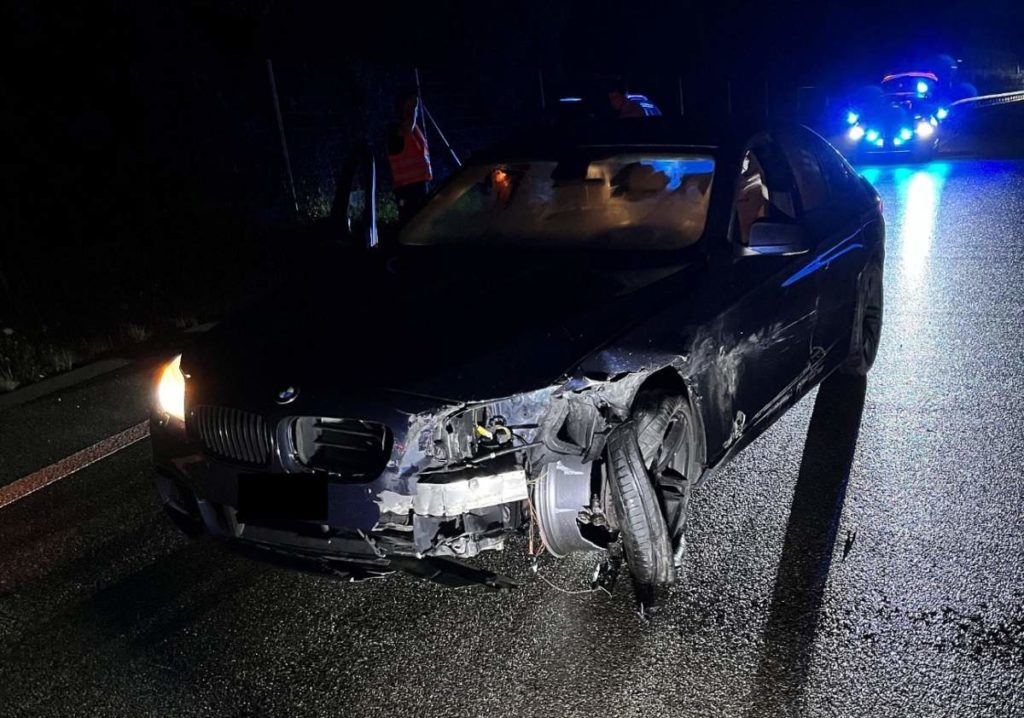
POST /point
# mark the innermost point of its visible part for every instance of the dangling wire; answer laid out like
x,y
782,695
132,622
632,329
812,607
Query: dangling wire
x,y
535,555
533,522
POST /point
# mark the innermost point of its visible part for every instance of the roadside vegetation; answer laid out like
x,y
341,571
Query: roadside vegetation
x,y
65,308
97,301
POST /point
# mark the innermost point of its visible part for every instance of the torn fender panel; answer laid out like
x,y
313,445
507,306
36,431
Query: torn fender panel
x,y
453,460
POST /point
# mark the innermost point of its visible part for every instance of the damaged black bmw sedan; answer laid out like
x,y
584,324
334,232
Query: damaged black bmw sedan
x,y
574,331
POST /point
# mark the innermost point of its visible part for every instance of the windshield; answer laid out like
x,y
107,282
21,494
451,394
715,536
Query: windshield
x,y
908,84
622,201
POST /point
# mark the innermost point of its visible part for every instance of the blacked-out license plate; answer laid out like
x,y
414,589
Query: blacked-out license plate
x,y
295,497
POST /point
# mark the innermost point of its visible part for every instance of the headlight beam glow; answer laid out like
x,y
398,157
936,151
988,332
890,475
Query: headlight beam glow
x,y
170,391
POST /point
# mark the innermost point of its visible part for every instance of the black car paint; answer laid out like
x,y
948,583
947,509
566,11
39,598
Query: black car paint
x,y
405,337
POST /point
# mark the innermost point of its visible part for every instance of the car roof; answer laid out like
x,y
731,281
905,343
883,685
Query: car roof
x,y
895,76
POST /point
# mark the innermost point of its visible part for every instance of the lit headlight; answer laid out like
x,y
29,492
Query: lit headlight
x,y
852,117
856,132
905,133
872,135
924,129
170,391
941,113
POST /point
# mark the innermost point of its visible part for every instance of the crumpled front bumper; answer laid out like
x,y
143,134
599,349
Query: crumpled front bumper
x,y
403,512
444,492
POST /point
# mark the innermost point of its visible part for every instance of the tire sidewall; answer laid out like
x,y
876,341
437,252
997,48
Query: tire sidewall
x,y
645,538
869,282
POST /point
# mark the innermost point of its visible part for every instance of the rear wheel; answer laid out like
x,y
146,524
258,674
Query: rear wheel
x,y
866,332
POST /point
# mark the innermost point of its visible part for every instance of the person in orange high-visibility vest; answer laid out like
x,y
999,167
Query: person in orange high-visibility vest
x,y
409,157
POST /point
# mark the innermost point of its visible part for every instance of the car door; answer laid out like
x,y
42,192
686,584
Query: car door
x,y
831,216
773,318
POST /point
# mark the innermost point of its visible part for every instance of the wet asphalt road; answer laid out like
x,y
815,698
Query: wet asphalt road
x,y
864,558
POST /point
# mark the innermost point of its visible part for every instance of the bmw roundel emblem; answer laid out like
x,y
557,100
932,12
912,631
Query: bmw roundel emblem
x,y
287,395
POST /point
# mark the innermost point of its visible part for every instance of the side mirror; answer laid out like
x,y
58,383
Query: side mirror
x,y
776,238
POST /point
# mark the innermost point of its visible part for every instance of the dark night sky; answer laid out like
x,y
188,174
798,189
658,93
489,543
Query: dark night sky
x,y
637,35
136,126
171,100
99,54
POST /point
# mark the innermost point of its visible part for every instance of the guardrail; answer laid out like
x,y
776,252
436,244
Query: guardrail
x,y
1002,98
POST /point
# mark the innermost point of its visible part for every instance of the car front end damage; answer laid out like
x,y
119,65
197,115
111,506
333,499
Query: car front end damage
x,y
400,481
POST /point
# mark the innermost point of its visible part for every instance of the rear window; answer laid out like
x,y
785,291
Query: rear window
x,y
622,201
908,84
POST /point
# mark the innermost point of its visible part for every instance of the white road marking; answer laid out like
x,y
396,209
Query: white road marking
x,y
64,468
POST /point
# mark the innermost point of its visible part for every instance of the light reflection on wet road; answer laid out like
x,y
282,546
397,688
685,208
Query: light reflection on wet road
x,y
862,558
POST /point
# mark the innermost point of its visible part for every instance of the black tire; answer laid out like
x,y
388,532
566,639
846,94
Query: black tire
x,y
645,537
866,333
654,413
665,432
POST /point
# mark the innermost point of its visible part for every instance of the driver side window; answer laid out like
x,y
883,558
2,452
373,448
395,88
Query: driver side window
x,y
762,193
751,197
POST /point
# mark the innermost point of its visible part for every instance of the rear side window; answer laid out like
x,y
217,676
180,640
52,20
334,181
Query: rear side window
x,y
807,173
841,177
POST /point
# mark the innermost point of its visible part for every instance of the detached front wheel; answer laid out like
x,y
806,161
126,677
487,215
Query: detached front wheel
x,y
642,525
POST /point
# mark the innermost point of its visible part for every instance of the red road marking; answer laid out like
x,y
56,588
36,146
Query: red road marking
x,y
65,467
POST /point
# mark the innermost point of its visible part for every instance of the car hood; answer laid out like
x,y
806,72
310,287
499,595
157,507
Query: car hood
x,y
887,118
454,326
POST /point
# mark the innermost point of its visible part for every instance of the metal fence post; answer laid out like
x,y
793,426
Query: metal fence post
x,y
280,132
